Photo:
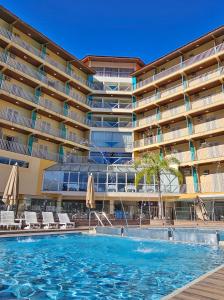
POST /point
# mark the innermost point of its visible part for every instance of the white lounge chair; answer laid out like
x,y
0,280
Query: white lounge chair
x,y
48,220
31,219
8,220
64,220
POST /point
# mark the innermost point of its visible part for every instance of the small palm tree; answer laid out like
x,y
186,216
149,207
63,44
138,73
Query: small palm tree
x,y
153,165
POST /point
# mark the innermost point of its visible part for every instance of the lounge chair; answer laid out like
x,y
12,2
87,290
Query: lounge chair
x,y
8,220
48,220
64,220
31,219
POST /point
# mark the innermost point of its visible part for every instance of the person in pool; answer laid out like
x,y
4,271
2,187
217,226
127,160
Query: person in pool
x,y
122,231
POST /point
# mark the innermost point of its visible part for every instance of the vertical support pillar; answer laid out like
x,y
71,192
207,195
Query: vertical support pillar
x,y
157,92
61,153
158,113
161,154
133,101
2,78
30,144
192,150
63,130
111,207
68,68
134,119
43,50
90,99
37,94
34,117
59,204
67,88
195,179
190,125
184,82
159,135
187,102
65,108
134,83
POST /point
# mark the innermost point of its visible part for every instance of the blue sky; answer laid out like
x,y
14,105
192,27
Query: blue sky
x,y
147,29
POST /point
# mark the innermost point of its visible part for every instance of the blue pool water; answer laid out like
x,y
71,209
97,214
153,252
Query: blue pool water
x,y
99,267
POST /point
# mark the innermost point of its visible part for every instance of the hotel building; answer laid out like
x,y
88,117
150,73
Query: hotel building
x,y
62,118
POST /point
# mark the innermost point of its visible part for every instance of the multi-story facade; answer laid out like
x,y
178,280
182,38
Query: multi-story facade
x,y
62,118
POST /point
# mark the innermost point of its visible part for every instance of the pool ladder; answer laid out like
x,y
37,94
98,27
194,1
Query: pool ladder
x,y
100,216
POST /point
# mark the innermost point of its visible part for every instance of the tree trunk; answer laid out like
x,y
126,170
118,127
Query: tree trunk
x,y
160,202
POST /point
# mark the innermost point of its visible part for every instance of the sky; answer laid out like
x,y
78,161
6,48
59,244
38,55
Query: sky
x,y
138,28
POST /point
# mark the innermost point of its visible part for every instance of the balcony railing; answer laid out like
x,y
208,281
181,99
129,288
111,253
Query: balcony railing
x,y
37,152
20,92
214,151
209,125
197,58
113,74
108,124
53,185
9,35
110,105
174,134
40,126
100,86
146,121
207,100
179,88
146,141
50,82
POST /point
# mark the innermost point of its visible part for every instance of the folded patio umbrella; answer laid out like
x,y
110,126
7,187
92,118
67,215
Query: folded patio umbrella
x,y
200,210
90,194
11,192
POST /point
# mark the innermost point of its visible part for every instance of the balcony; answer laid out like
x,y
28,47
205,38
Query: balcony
x,y
37,52
37,75
193,82
146,121
110,105
182,66
182,156
41,127
208,100
18,91
210,152
204,77
175,134
110,87
209,125
109,124
36,152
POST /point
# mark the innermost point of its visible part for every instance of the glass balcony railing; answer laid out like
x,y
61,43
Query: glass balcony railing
x,y
100,86
213,151
191,61
41,127
110,105
9,35
50,82
108,124
18,91
207,100
53,185
191,83
37,152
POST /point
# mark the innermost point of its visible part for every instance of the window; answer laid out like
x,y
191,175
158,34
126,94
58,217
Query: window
x,y
45,126
10,161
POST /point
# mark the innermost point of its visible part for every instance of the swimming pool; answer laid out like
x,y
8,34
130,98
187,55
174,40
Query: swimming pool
x,y
99,267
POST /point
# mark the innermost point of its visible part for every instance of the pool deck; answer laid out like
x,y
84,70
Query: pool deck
x,y
209,286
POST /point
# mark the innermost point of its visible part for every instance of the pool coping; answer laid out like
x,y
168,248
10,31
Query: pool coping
x,y
36,232
191,283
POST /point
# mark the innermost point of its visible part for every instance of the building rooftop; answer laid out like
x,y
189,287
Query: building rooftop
x,y
106,58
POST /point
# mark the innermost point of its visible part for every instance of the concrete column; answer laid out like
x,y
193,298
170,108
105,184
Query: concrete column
x,y
59,203
111,207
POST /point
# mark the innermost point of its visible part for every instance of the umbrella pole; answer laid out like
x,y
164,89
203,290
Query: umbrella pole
x,y
17,208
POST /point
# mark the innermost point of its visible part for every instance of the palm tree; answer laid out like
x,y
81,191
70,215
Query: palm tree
x,y
153,165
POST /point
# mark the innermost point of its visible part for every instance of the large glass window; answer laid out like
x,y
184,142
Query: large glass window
x,y
111,139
